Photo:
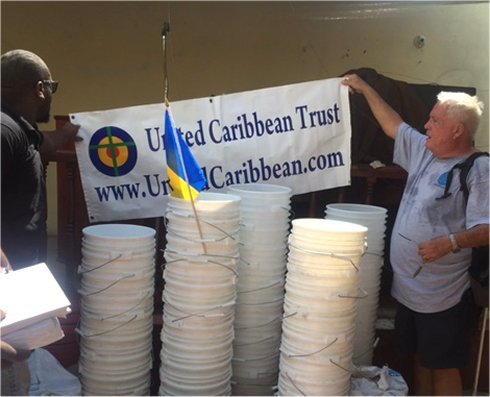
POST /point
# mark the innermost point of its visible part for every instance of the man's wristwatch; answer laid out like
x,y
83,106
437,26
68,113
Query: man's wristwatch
x,y
454,244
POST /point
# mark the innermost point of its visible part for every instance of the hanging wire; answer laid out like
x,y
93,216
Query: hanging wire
x,y
165,31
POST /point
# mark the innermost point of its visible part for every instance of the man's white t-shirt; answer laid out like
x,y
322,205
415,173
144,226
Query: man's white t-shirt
x,y
421,217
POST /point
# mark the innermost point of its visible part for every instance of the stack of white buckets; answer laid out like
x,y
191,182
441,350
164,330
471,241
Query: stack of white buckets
x,y
322,292
264,231
199,295
116,317
374,218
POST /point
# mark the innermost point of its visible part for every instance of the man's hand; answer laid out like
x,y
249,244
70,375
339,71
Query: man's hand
x,y
8,353
434,249
386,116
355,83
54,140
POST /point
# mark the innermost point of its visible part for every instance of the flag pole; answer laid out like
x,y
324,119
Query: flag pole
x,y
165,31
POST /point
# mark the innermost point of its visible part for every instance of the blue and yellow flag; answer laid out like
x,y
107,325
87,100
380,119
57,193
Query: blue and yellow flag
x,y
186,176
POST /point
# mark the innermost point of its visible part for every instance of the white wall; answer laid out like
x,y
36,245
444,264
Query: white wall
x,y
109,54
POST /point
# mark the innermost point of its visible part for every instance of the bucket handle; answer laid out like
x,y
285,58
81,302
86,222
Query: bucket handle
x,y
327,254
198,314
131,275
340,366
260,288
207,261
125,312
315,352
81,333
205,240
361,290
165,218
294,384
248,263
201,254
99,266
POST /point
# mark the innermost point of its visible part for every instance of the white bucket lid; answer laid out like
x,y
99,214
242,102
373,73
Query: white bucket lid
x,y
358,208
208,201
113,231
260,190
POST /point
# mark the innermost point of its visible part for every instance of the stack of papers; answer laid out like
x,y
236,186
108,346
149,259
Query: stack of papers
x,y
32,300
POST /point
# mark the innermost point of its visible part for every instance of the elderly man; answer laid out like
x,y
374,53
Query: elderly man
x,y
27,90
432,238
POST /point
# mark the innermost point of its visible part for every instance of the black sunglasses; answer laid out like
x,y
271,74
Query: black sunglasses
x,y
53,85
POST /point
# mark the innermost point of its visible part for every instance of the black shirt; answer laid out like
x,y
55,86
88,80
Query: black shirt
x,y
24,208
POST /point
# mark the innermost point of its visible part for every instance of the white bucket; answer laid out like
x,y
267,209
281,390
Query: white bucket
x,y
330,278
315,246
122,282
137,387
258,352
114,268
127,328
129,347
302,386
325,367
262,309
265,220
266,193
339,307
322,264
258,334
188,223
269,269
190,317
329,229
116,304
320,342
200,266
111,383
304,320
211,367
260,315
226,247
198,296
266,378
173,347
274,252
256,293
118,235
218,276
217,205
303,293
272,238
197,302
253,368
170,387
366,210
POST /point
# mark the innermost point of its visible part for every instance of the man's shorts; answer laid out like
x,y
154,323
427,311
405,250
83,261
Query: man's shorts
x,y
441,340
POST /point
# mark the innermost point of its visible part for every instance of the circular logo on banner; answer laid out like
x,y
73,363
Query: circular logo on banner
x,y
112,151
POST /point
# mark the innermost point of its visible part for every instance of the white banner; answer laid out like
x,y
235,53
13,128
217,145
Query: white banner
x,y
296,135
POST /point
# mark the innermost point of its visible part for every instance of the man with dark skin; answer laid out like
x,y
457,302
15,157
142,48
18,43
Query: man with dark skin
x,y
27,90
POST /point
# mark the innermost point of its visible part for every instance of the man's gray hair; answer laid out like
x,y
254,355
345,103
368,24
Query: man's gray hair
x,y
462,107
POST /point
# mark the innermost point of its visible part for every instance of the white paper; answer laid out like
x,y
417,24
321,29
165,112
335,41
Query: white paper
x,y
40,334
30,295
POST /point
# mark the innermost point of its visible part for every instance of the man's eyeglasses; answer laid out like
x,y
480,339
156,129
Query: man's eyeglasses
x,y
53,85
